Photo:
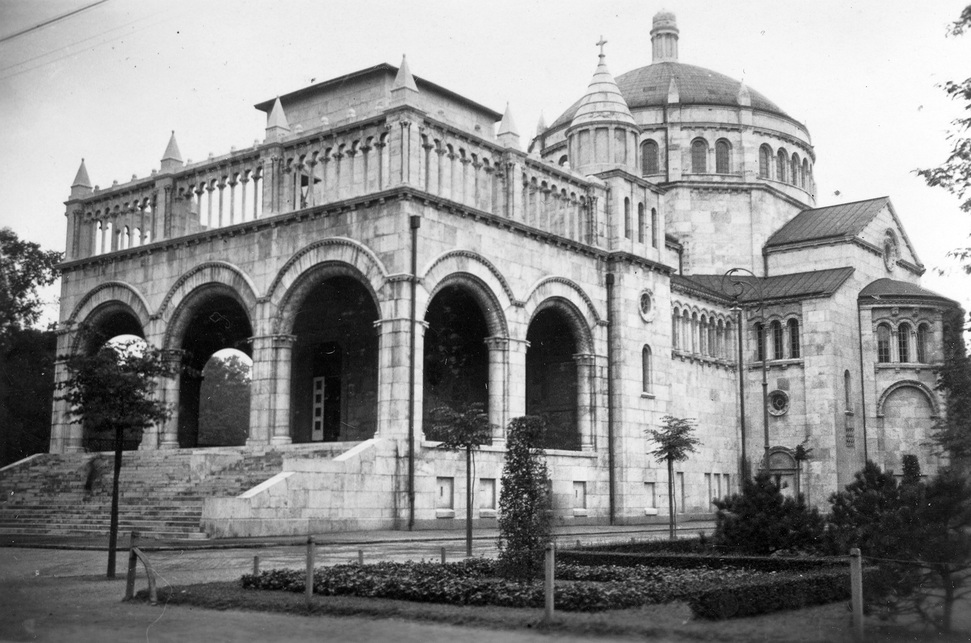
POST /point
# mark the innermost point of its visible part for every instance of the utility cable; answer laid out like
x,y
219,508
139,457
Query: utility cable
x,y
28,30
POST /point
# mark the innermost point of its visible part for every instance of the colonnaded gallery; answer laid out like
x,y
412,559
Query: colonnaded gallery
x,y
390,247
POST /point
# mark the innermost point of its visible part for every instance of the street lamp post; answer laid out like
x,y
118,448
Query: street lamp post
x,y
739,284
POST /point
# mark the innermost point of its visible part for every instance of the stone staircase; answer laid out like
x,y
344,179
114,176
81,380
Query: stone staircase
x,y
160,492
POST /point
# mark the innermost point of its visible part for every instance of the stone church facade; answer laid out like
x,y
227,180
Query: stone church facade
x,y
390,248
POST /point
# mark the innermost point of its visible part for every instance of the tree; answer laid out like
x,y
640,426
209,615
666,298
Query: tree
x,y
761,520
466,430
113,389
859,514
953,429
525,521
916,532
674,443
26,393
954,175
24,268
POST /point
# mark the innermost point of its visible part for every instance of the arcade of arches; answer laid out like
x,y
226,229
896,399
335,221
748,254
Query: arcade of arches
x,y
331,376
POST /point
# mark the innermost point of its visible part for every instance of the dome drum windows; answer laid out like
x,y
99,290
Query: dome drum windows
x,y
722,157
699,156
650,158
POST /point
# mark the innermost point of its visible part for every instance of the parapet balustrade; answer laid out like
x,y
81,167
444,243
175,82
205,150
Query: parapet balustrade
x,y
304,171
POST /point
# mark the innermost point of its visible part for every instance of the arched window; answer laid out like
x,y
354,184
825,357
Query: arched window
x,y
765,161
640,223
693,329
922,332
699,156
805,173
627,232
778,342
686,331
793,327
781,163
794,174
712,339
759,343
903,343
654,230
847,394
729,340
883,343
703,336
722,165
675,340
649,160
646,375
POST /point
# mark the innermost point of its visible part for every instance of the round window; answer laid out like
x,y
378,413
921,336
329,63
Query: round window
x,y
646,305
778,402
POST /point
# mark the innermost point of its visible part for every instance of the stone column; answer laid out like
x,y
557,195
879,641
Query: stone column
x,y
261,389
516,386
498,387
280,398
585,399
394,364
168,391
66,436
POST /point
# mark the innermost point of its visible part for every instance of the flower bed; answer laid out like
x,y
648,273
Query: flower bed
x,y
473,582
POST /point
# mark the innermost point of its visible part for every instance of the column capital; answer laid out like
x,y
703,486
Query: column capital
x,y
584,359
279,340
496,343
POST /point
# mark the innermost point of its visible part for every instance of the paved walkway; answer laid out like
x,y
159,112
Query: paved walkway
x,y
433,538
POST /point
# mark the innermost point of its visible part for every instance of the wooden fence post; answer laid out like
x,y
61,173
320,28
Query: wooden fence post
x,y
256,565
309,584
132,567
360,557
856,592
549,580
443,555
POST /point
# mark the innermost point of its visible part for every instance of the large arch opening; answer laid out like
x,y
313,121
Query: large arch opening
x,y
551,378
224,397
334,372
456,358
217,322
116,326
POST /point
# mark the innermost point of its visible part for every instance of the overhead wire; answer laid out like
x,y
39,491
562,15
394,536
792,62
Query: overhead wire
x,y
78,42
75,53
46,23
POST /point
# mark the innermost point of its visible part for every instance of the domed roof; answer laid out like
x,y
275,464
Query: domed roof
x,y
648,87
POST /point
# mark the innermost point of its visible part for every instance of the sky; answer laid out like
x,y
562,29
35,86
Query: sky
x,y
109,83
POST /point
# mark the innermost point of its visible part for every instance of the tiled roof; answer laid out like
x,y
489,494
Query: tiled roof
x,y
833,222
894,289
801,285
648,87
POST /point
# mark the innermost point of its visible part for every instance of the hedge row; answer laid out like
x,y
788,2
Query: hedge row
x,y
689,561
695,545
751,598
473,583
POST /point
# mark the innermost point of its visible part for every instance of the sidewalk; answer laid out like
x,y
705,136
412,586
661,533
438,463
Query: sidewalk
x,y
565,534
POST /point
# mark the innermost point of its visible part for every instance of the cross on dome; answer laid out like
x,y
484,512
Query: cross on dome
x,y
601,45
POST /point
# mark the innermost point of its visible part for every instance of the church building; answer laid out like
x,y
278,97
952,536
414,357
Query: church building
x,y
390,247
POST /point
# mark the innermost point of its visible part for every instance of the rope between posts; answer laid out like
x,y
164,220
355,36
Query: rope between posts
x,y
917,563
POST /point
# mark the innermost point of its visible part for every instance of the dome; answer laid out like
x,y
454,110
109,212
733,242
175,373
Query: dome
x,y
648,87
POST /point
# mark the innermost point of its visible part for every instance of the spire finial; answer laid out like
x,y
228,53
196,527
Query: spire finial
x,y
601,44
404,79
